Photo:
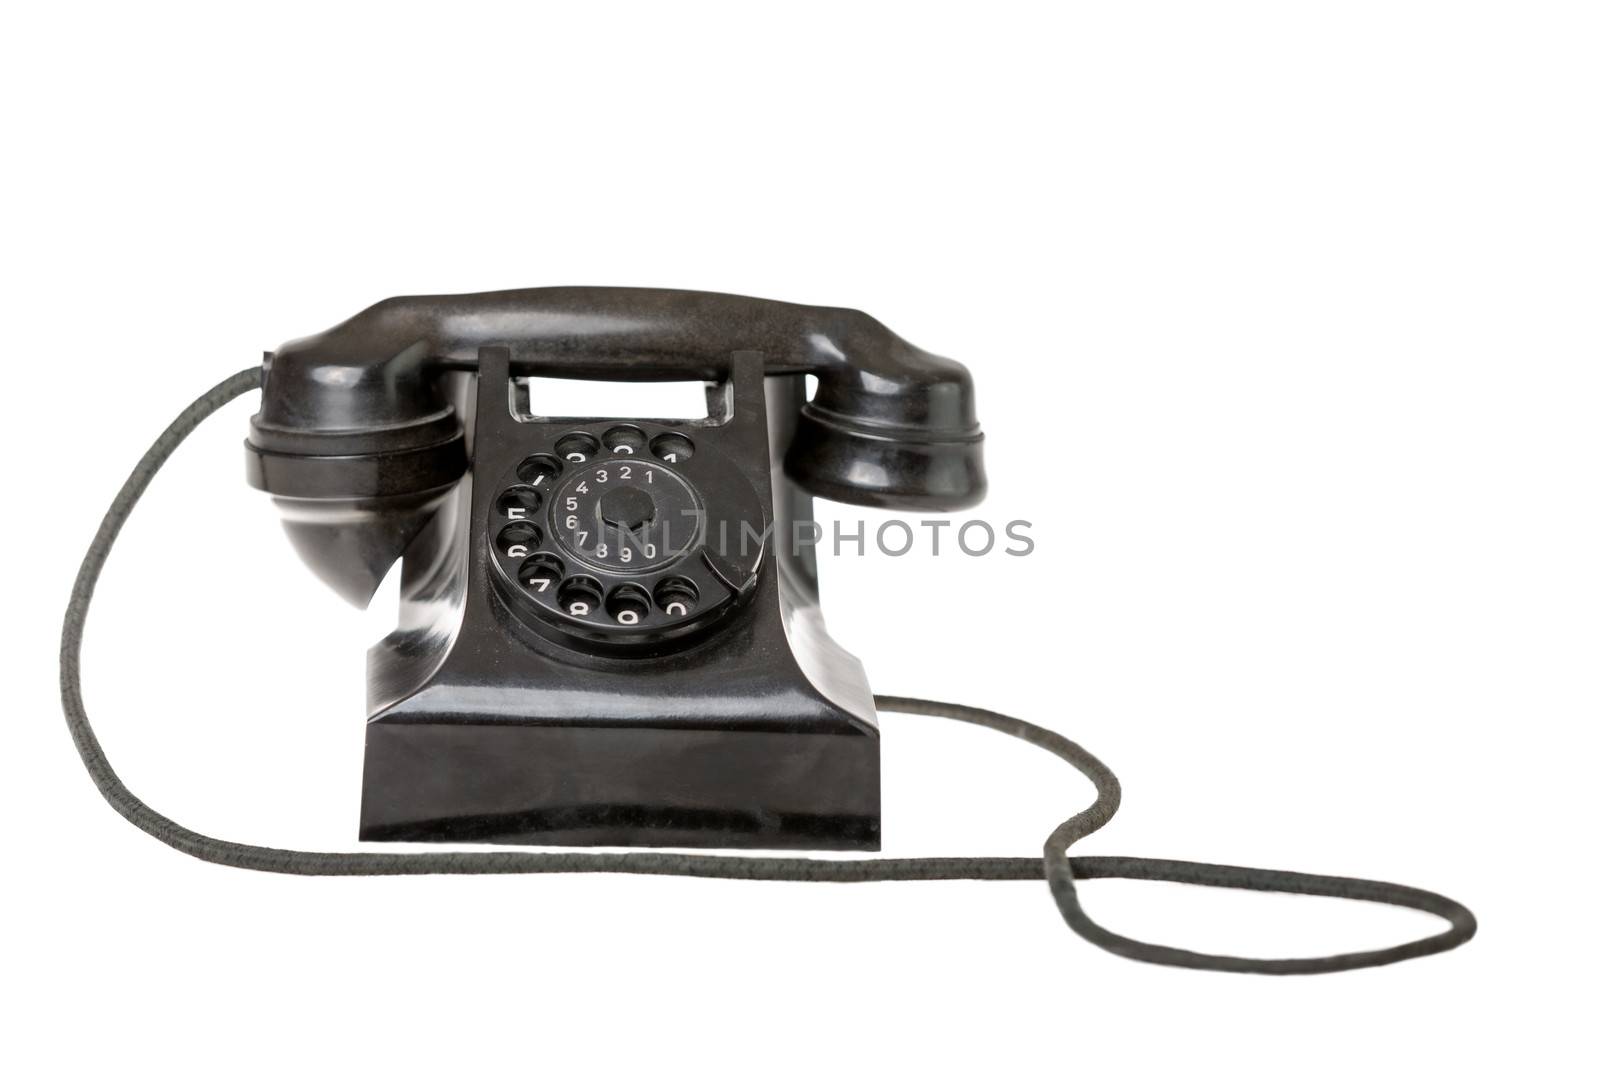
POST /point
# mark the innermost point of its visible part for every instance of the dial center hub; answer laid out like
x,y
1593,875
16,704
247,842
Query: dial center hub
x,y
627,507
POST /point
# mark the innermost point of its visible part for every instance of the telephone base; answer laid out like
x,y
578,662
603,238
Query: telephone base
x,y
491,721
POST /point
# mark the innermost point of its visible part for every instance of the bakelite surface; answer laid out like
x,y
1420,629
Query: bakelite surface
x,y
588,701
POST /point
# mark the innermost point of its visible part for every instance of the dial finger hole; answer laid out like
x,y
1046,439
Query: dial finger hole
x,y
540,573
539,471
672,447
517,539
624,440
578,447
579,596
519,502
628,604
676,595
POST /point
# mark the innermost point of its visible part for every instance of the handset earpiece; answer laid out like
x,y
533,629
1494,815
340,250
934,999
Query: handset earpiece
x,y
358,449
360,433
890,425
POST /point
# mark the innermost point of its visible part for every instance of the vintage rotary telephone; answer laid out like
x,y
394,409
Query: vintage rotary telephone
x,y
609,634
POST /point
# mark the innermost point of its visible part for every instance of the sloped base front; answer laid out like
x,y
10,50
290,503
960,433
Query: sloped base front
x,y
682,787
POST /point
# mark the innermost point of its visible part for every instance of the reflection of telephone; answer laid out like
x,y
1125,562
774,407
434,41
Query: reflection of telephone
x,y
609,633
609,593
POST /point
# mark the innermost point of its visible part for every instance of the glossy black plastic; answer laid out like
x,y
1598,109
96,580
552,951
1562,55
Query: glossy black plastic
x,y
490,722
692,700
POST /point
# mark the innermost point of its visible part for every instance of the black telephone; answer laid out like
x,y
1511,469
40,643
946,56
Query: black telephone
x,y
582,596
609,633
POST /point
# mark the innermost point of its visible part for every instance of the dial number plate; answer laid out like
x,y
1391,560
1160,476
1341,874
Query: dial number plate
x,y
627,516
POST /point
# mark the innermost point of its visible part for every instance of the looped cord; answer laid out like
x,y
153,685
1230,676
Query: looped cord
x,y
1056,869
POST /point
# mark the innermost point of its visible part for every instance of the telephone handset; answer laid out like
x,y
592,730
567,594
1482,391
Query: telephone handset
x,y
375,410
609,632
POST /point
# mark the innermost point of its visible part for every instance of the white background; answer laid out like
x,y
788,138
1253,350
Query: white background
x,y
1284,324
